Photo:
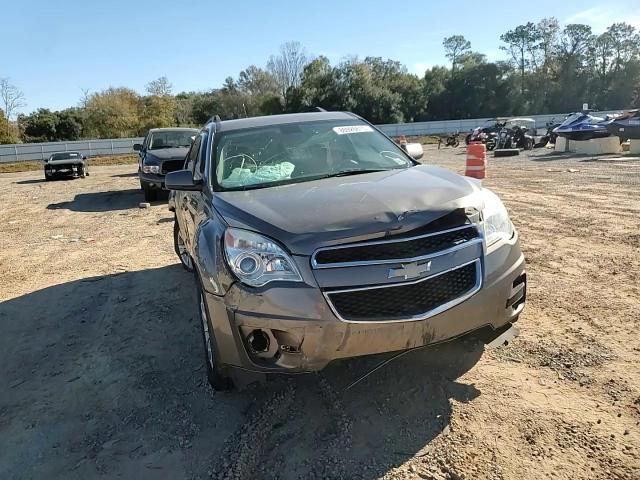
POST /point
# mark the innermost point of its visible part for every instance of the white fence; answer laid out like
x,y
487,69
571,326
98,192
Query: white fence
x,y
90,148
121,146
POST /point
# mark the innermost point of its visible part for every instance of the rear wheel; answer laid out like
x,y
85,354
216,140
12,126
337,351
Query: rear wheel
x,y
216,376
180,247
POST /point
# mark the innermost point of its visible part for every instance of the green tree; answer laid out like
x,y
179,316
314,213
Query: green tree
x,y
69,124
157,111
113,113
455,46
521,45
6,134
39,126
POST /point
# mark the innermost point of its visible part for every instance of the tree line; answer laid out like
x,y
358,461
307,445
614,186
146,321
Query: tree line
x,y
548,69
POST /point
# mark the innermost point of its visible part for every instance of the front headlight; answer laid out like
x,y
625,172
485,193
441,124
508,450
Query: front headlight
x,y
150,166
257,260
497,225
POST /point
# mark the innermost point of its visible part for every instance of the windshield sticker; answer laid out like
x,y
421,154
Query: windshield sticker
x,y
352,129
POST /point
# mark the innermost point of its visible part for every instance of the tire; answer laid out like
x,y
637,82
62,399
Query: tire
x,y
179,247
215,375
467,139
528,144
456,143
506,152
150,194
491,144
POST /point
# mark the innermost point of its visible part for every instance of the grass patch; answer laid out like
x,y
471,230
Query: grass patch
x,y
94,161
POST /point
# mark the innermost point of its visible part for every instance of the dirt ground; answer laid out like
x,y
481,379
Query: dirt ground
x,y
101,362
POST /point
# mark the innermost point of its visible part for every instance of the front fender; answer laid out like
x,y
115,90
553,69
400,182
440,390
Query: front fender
x,y
208,256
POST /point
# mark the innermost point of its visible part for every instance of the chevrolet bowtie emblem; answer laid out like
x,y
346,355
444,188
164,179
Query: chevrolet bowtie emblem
x,y
410,270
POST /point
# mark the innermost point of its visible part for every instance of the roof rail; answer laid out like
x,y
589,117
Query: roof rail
x,y
319,109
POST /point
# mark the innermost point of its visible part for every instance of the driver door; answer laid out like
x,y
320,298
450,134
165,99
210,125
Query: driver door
x,y
182,198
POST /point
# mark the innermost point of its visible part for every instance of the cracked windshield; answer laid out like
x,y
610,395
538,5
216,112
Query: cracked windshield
x,y
290,153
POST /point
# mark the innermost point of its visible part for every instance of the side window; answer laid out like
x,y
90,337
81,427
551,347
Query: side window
x,y
192,156
198,171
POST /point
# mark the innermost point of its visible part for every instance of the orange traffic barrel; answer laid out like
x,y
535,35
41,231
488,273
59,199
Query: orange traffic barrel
x,y
476,160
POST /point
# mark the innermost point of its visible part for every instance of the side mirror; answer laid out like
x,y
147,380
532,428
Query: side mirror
x,y
415,150
84,157
137,147
182,180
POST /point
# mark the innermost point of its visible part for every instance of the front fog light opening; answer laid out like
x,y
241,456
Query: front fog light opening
x,y
258,341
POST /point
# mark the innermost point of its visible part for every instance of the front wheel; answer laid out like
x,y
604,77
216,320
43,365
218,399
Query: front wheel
x,y
528,144
215,375
150,193
180,247
491,144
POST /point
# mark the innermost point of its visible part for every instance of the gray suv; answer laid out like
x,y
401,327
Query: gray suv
x,y
315,237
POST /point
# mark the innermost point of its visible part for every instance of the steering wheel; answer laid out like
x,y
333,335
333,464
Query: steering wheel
x,y
393,156
240,161
272,159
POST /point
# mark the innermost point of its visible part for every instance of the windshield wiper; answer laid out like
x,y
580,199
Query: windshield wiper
x,y
287,181
356,171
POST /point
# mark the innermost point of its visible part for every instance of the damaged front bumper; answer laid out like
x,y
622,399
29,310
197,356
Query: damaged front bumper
x,y
294,328
56,168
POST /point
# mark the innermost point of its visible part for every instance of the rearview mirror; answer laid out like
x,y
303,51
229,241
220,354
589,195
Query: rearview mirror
x,y
415,150
137,147
182,180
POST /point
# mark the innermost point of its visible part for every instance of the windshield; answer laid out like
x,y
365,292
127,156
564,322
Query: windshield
x,y
171,139
65,156
572,118
289,153
520,122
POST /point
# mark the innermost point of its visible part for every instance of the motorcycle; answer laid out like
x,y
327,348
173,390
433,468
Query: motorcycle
x,y
514,137
452,140
549,136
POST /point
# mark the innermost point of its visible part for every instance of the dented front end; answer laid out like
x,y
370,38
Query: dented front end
x,y
386,293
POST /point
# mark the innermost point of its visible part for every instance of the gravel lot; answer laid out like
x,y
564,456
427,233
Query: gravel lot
x,y
101,368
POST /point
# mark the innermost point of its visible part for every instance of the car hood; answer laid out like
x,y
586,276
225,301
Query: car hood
x,y
161,154
308,215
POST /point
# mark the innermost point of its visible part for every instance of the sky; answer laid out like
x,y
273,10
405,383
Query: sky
x,y
53,49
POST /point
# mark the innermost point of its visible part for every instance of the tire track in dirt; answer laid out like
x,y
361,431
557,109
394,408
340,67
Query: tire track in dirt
x,y
246,448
